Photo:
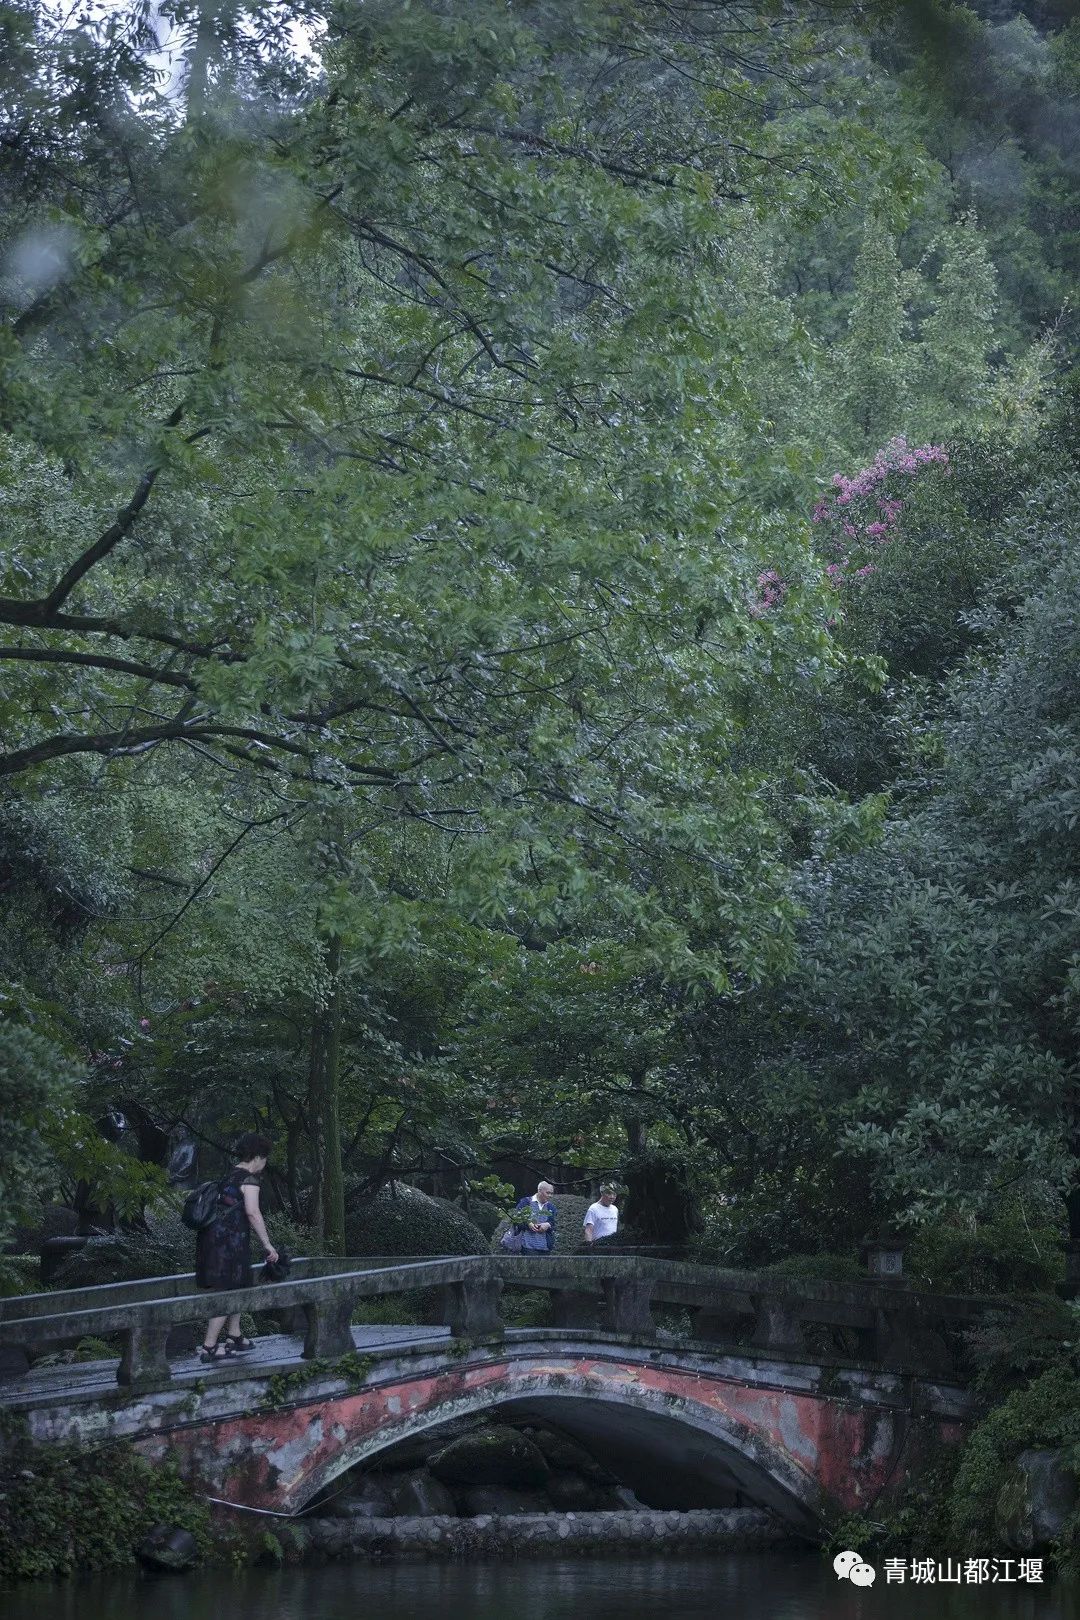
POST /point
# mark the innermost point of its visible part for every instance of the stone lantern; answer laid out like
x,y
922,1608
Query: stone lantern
x,y
883,1253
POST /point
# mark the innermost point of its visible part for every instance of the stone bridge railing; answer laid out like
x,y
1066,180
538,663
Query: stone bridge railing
x,y
865,1322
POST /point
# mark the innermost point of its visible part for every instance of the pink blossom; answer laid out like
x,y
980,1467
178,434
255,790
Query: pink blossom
x,y
896,457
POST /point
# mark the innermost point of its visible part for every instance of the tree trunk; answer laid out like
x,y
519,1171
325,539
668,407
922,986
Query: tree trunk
x,y
329,1190
293,1129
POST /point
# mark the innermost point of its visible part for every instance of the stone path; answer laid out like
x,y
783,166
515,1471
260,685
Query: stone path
x,y
273,1351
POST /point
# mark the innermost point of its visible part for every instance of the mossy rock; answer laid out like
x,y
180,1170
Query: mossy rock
x,y
567,1455
54,1220
402,1220
165,1247
162,1247
495,1456
1037,1499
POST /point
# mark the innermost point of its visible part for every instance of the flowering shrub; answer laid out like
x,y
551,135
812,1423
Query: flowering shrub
x,y
863,512
772,590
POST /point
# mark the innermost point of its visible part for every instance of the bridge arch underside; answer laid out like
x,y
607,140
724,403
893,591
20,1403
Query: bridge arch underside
x,y
667,1461
644,1432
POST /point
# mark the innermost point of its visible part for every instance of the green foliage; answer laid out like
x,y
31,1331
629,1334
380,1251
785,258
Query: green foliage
x,y
402,1220
19,1274
63,1510
271,1549
284,1388
36,1082
913,1522
1046,1413
399,750
484,1214
161,1246
47,1135
527,1308
959,333
875,359
1008,1350
412,1305
827,1267
998,1256
943,960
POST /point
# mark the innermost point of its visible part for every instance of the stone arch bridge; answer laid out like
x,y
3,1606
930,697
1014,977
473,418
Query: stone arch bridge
x,y
811,1398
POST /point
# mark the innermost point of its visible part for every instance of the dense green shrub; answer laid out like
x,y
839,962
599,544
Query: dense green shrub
x,y
999,1256
1010,1347
401,1220
484,1214
36,1083
396,1310
914,1523
63,1510
826,1267
797,1197
1046,1413
19,1274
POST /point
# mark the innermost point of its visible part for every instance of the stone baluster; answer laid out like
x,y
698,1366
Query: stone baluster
x,y
329,1325
470,1308
628,1303
776,1326
144,1363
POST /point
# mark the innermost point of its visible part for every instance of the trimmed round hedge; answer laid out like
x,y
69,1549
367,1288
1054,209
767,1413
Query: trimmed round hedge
x,y
483,1213
402,1220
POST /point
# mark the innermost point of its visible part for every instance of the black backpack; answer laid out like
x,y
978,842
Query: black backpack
x,y
201,1206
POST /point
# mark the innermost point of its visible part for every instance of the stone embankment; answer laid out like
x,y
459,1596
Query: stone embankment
x,y
443,1536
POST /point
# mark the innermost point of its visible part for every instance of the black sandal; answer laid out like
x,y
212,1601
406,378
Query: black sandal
x,y
215,1352
237,1345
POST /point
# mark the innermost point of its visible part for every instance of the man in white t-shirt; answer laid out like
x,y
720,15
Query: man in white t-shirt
x,y
602,1218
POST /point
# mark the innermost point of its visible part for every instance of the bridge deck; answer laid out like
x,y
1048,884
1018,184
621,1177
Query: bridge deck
x,y
74,1380
875,1323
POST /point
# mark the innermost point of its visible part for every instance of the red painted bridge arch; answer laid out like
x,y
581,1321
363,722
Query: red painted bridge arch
x,y
809,1442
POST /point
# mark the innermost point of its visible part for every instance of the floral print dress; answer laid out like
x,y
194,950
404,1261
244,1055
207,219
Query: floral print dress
x,y
223,1249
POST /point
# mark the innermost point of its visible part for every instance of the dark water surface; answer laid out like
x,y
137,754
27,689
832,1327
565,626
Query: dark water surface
x,y
745,1586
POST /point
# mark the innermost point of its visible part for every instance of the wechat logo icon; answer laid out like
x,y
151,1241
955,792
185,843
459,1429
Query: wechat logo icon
x,y
850,1567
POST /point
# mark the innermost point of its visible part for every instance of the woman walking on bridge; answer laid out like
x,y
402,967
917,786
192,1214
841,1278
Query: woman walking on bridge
x,y
223,1249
